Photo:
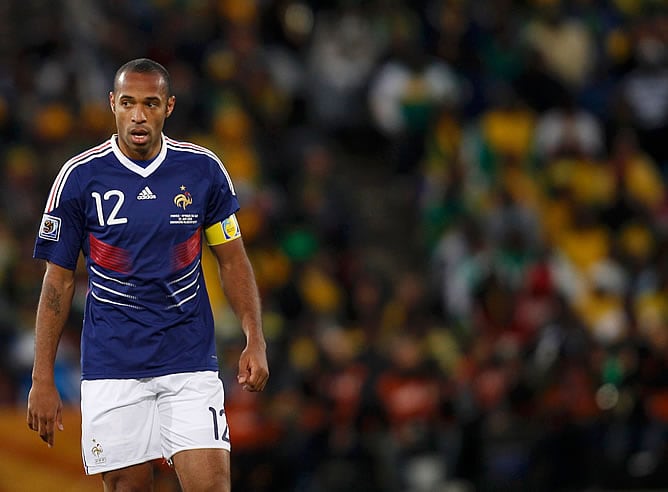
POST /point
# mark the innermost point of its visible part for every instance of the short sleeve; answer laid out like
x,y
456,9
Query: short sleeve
x,y
222,200
59,238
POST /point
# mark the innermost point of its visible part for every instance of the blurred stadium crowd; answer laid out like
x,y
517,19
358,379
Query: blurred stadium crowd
x,y
456,210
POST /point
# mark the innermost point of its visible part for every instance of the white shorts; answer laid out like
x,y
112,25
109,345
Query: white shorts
x,y
130,421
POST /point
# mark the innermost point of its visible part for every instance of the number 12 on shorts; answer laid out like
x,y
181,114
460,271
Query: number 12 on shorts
x,y
216,435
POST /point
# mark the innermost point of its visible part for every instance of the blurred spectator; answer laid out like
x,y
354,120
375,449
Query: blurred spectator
x,y
567,131
644,90
342,55
563,42
406,91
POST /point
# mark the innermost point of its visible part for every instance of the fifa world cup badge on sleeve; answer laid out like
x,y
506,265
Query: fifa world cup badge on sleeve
x,y
49,229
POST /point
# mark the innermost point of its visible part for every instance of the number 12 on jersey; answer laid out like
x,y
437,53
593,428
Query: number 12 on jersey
x,y
112,219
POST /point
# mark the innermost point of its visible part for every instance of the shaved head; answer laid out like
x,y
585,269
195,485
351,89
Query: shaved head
x,y
145,65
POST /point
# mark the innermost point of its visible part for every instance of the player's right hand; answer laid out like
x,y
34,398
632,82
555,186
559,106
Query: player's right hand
x,y
45,411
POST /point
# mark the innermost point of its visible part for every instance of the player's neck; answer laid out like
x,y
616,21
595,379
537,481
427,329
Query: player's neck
x,y
141,156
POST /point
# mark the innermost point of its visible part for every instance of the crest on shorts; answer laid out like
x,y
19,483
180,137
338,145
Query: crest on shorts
x,y
98,452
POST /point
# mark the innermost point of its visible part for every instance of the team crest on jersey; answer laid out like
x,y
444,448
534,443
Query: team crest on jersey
x,y
49,229
183,199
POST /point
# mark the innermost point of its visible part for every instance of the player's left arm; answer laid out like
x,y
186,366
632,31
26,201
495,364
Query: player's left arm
x,y
241,291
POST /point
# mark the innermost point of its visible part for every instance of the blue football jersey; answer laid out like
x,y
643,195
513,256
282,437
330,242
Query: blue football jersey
x,y
140,230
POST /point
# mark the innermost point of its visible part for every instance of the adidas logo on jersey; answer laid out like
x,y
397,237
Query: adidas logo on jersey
x,y
146,194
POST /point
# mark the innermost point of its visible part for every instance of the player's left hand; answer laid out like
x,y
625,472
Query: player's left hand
x,y
253,368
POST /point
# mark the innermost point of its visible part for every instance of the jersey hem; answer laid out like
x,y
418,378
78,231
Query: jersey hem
x,y
151,374
38,255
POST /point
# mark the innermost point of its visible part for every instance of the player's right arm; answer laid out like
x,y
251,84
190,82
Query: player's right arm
x,y
44,403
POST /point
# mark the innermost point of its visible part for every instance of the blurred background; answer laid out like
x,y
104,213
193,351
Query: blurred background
x,y
456,211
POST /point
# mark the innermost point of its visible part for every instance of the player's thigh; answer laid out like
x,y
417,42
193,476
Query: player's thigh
x,y
203,470
132,478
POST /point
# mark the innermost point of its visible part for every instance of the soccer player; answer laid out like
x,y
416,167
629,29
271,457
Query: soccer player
x,y
139,206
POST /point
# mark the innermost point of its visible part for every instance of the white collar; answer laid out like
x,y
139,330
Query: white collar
x,y
144,172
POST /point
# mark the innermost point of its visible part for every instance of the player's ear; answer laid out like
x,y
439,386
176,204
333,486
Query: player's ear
x,y
171,101
112,103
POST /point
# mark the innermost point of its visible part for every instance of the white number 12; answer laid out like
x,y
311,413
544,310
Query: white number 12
x,y
112,219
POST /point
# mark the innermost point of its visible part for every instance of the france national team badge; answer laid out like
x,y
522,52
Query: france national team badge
x,y
231,228
49,229
183,199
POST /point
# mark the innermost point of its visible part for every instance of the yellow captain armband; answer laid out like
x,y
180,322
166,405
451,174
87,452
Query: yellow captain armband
x,y
223,231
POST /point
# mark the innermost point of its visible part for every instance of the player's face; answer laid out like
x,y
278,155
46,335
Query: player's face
x,y
140,105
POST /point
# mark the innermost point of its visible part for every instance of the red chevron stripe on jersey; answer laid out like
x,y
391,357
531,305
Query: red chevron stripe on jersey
x,y
109,257
185,253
